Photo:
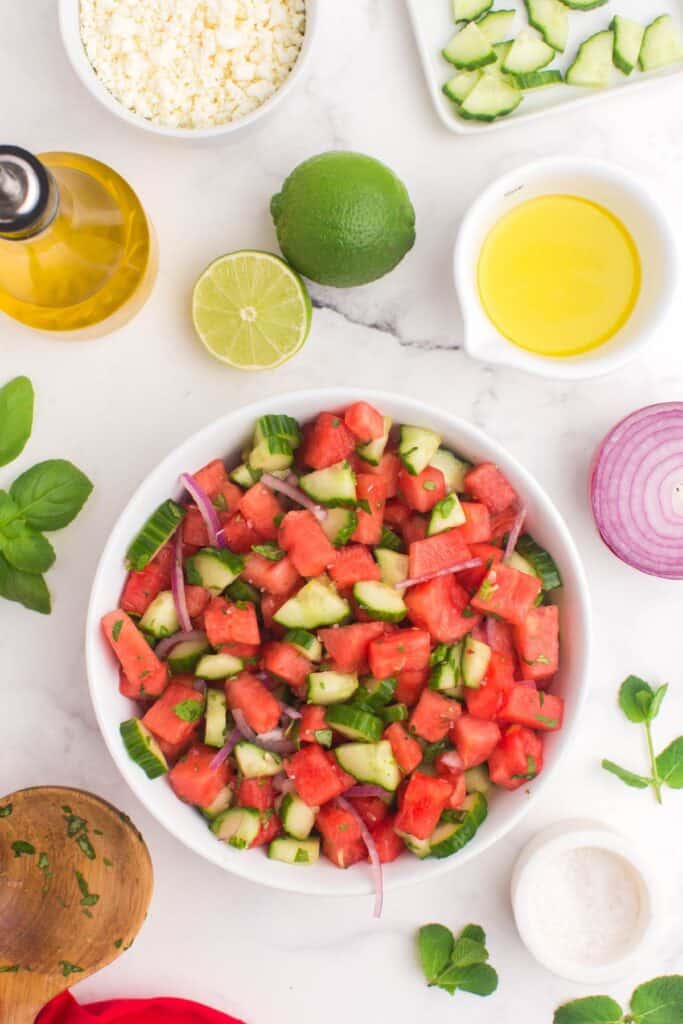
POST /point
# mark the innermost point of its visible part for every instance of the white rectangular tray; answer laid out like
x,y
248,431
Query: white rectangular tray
x,y
433,27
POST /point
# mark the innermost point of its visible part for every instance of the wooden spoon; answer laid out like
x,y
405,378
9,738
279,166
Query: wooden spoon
x,y
75,883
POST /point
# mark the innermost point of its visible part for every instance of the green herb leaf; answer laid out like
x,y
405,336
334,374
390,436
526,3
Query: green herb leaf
x,y
30,551
670,764
656,703
592,1010
467,952
16,418
270,551
479,979
635,698
68,968
659,1001
5,811
188,710
24,588
51,494
435,945
116,630
9,969
630,778
474,932
23,849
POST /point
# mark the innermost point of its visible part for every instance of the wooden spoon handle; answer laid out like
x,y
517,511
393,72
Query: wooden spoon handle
x,y
22,997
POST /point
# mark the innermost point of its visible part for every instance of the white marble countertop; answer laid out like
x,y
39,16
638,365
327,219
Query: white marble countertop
x,y
117,405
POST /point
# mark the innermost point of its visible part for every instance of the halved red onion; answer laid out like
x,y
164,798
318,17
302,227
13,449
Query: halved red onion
x,y
368,791
226,750
413,581
178,585
636,490
515,531
165,646
375,862
294,494
206,509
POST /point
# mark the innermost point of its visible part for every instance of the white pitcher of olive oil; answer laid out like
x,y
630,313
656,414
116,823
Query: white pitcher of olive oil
x,y
77,251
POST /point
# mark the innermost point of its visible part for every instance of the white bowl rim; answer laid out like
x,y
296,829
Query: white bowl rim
x,y
69,23
247,867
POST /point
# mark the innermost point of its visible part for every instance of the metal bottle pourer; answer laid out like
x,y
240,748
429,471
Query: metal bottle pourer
x,y
28,194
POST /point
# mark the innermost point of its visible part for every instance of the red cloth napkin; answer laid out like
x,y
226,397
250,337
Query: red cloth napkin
x,y
65,1010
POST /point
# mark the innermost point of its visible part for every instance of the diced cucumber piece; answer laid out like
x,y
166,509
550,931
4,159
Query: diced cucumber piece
x,y
245,476
457,828
453,468
297,817
516,561
528,53
335,485
156,532
661,44
373,694
283,427
551,18
255,762
354,722
391,540
218,666
370,762
593,63
477,779
331,687
373,451
380,601
468,49
493,96
186,655
461,85
446,514
476,656
417,447
220,804
306,643
628,40
538,79
316,604
394,713
446,674
161,617
392,565
294,851
271,454
339,525
541,562
143,748
584,5
216,718
238,826
420,847
213,568
468,10
501,51
496,25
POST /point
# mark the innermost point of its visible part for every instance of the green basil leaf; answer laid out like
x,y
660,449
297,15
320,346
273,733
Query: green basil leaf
x,y
635,698
660,694
467,952
30,551
592,1010
11,521
16,418
479,979
474,932
630,778
51,494
435,945
25,588
659,1001
670,764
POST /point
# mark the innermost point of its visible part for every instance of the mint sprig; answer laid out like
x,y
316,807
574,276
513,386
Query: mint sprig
x,y
453,964
659,1001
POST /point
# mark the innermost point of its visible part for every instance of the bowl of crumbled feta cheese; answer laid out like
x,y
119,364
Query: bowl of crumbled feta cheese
x,y
189,69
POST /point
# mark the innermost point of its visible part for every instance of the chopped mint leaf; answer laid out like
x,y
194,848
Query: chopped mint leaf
x,y
5,811
23,849
188,710
116,630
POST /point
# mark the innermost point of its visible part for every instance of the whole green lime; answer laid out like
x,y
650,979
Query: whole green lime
x,y
343,219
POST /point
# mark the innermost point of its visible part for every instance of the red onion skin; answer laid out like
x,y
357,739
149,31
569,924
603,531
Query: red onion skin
x,y
226,750
206,509
514,533
415,581
178,585
294,494
166,645
375,862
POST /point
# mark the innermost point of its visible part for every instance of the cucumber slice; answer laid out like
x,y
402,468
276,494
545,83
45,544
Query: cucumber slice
x,y
501,51
446,514
373,694
354,723
418,446
391,540
446,679
218,666
541,562
628,40
392,565
492,97
420,847
331,687
593,63
496,25
295,851
551,18
380,601
216,718
306,643
298,819
186,656
245,476
273,453
161,617
518,562
528,53
394,713
339,525
213,568
461,85
661,44
283,427
334,486
477,779
453,468
475,661
156,532
255,762
316,604
370,762
457,828
238,826
538,79
143,748
220,804
373,451
468,49
468,10
584,5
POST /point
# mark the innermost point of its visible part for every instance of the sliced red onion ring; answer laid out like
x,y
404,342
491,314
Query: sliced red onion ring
x,y
178,585
294,493
243,726
513,535
636,490
290,712
226,750
281,784
165,646
206,509
375,863
471,563
368,791
451,759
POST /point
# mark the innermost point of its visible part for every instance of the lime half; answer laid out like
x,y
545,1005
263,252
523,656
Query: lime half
x,y
251,310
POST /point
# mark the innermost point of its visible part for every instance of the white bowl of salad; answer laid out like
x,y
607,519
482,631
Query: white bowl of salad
x,y
323,642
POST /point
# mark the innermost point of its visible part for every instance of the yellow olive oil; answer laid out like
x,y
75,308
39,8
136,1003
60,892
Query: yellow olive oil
x,y
559,275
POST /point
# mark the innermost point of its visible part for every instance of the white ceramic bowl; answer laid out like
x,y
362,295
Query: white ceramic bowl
x,y
69,21
225,438
609,185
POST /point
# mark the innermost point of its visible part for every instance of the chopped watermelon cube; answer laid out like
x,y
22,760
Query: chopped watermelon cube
x,y
273,577
258,793
302,536
439,606
388,468
240,535
211,478
364,421
422,492
254,700
260,507
410,684
488,485
507,593
517,759
372,490
270,829
194,528
137,659
327,442
413,529
168,717
317,778
391,653
348,646
312,721
442,551
537,642
533,709
196,599
487,700
406,750
424,801
141,587
434,716
194,780
372,809
396,514
472,579
477,526
285,662
342,842
353,564
225,622
389,845
474,739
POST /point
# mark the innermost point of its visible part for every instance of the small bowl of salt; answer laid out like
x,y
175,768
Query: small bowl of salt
x,y
583,901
